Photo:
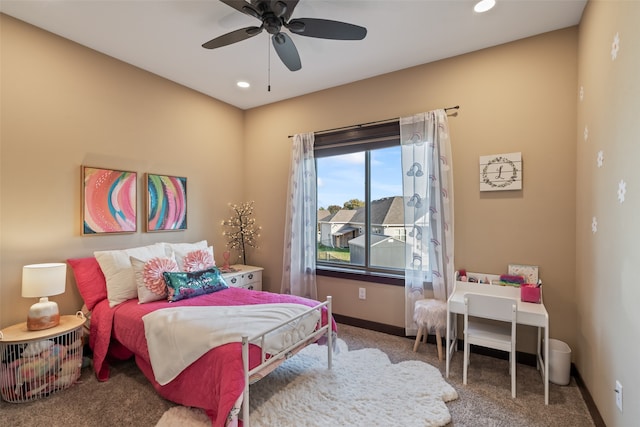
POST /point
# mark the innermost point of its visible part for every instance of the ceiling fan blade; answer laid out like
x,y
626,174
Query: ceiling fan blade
x,y
287,51
326,29
232,37
243,6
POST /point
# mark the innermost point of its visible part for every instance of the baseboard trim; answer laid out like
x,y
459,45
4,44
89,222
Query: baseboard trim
x,y
522,358
367,324
588,400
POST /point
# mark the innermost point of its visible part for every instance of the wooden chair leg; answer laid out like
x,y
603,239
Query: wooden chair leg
x,y
439,344
418,336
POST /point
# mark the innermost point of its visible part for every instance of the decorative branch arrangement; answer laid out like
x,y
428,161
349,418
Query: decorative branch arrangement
x,y
242,229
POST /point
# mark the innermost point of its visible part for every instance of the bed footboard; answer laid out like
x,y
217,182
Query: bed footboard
x,y
267,360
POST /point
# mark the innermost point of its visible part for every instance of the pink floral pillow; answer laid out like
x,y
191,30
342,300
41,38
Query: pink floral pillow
x,y
149,279
198,260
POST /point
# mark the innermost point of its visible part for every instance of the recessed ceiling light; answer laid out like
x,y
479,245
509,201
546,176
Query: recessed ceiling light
x,y
484,5
243,85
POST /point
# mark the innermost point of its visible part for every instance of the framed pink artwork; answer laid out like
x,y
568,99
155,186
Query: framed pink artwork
x,y
166,203
109,201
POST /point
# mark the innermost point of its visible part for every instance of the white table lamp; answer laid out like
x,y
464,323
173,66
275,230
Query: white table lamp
x,y
42,281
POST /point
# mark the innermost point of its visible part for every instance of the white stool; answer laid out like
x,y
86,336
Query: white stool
x,y
430,315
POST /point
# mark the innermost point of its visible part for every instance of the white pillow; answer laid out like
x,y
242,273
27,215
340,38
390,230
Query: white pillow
x,y
149,279
118,272
181,250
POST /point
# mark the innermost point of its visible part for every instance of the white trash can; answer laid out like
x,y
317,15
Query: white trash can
x,y
559,362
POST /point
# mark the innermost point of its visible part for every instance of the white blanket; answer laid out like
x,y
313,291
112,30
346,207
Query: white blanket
x,y
177,337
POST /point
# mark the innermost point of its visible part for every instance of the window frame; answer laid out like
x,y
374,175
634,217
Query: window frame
x,y
361,138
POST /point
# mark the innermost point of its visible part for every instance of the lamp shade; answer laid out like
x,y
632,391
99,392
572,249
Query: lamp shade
x,y
41,280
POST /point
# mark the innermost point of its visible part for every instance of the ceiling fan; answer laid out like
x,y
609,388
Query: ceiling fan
x,y
276,14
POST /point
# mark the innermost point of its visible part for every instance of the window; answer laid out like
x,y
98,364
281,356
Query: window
x,y
360,206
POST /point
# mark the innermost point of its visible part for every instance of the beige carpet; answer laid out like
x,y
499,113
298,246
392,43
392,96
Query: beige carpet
x,y
486,400
128,399
363,388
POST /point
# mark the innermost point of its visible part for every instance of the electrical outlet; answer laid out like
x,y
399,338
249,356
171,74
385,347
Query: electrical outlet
x,y
362,293
619,395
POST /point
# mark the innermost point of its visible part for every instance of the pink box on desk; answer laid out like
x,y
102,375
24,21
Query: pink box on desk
x,y
530,293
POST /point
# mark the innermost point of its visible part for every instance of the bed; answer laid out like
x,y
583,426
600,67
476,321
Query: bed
x,y
218,381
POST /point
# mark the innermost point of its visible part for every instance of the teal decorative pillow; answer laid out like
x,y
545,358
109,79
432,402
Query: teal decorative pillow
x,y
181,285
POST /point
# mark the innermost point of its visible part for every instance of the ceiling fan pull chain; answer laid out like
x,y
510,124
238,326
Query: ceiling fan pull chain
x,y
268,66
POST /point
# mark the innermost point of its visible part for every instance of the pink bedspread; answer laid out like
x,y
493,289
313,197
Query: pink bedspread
x,y
214,382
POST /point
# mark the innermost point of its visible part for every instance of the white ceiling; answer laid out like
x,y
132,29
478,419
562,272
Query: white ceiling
x,y
165,38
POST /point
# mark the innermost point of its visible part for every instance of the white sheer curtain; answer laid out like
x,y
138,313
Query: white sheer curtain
x,y
299,264
428,206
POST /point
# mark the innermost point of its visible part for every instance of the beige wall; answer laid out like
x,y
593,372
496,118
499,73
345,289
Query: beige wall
x,y
607,291
91,109
518,97
64,106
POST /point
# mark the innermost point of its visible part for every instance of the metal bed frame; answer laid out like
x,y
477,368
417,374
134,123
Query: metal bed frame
x,y
269,359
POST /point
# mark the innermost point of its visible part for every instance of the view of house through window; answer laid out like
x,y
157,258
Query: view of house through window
x,y
360,209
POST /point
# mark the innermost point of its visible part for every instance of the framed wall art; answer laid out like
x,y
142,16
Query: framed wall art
x,y
109,201
500,172
166,203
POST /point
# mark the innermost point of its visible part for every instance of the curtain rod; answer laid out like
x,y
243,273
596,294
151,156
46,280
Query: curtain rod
x,y
369,123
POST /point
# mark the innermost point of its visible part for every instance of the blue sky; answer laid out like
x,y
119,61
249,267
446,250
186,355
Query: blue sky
x,y
341,178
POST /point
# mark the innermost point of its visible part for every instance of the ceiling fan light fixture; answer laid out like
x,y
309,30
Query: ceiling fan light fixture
x,y
484,5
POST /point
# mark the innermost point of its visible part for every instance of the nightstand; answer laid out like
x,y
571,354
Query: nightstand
x,y
244,276
39,363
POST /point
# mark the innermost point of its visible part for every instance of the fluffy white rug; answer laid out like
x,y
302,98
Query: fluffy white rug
x,y
363,388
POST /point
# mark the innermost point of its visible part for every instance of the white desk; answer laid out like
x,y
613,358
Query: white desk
x,y
528,314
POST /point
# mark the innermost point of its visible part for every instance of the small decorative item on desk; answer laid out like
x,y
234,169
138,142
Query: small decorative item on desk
x,y
511,280
531,292
463,275
243,230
